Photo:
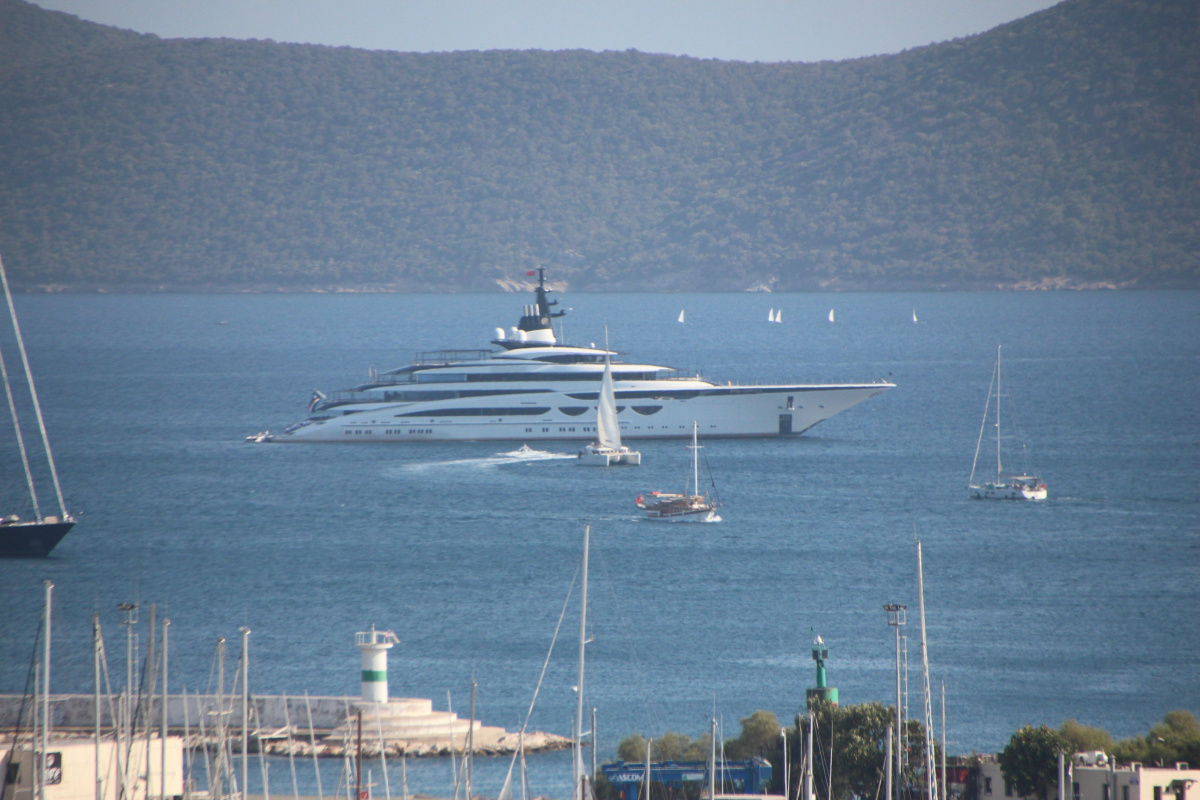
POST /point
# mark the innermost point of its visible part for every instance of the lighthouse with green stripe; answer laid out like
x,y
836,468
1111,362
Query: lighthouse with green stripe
x,y
374,646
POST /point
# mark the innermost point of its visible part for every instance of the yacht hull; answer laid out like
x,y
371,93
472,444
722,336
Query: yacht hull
x,y
31,539
993,491
722,412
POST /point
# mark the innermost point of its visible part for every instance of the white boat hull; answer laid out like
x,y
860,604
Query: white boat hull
x,y
1006,491
631,458
722,412
697,516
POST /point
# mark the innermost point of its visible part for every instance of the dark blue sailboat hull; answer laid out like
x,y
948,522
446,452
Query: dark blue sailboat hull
x,y
31,539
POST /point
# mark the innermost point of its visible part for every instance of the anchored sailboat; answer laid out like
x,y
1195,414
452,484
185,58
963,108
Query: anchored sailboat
x,y
607,450
40,535
684,507
1004,486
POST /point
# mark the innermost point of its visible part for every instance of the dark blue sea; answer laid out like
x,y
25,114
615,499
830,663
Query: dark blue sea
x,y
1084,606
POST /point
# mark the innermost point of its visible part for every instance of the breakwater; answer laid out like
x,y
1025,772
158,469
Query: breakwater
x,y
281,724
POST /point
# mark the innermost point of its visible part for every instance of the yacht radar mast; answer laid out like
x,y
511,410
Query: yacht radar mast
x,y
536,327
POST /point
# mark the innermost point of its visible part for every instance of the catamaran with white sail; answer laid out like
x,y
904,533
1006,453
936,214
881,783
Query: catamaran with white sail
x,y
607,450
534,387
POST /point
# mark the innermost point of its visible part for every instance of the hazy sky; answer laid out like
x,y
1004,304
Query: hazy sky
x,y
742,30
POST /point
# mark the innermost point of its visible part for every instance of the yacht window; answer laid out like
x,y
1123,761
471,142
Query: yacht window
x,y
437,376
647,410
573,411
478,412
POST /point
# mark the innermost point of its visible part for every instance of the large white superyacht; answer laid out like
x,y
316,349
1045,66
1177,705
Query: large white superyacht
x,y
533,387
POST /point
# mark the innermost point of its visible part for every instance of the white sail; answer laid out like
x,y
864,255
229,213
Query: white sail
x,y
608,430
831,315
770,315
914,316
681,315
779,315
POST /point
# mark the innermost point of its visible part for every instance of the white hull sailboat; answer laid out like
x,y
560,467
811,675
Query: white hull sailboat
x,y
37,536
831,319
1005,486
686,507
607,450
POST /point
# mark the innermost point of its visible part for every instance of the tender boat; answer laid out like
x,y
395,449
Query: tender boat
x,y
38,536
1004,486
686,507
533,388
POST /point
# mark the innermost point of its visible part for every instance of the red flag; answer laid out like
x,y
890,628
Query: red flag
x,y
531,273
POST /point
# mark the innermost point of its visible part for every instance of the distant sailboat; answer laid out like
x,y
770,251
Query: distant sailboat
x,y
775,315
681,316
831,315
771,315
914,316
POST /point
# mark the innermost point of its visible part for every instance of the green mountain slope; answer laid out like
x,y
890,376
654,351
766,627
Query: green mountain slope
x,y
1057,150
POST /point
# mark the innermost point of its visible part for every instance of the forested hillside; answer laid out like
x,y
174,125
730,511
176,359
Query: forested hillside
x,y
1059,150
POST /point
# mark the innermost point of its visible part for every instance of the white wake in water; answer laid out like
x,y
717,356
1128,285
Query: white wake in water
x,y
522,455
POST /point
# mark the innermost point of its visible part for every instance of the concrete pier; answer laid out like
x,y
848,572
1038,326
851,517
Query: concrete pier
x,y
401,725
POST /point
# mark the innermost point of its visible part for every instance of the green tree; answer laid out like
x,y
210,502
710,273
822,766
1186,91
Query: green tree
x,y
632,748
759,737
1083,738
1176,738
858,734
1029,762
671,746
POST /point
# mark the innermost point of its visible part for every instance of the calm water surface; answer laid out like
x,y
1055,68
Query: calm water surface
x,y
1084,606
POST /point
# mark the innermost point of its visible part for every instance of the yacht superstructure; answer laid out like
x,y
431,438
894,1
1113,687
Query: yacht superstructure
x,y
532,387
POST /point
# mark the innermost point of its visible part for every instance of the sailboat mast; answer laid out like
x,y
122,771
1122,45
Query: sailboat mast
x,y
646,777
695,457
999,467
942,775
12,407
45,685
808,758
245,711
37,409
578,766
930,777
96,698
712,758
162,750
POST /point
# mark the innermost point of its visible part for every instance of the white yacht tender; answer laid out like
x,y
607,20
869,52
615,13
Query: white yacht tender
x,y
534,388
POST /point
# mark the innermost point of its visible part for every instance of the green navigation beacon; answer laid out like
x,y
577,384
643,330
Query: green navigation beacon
x,y
821,691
